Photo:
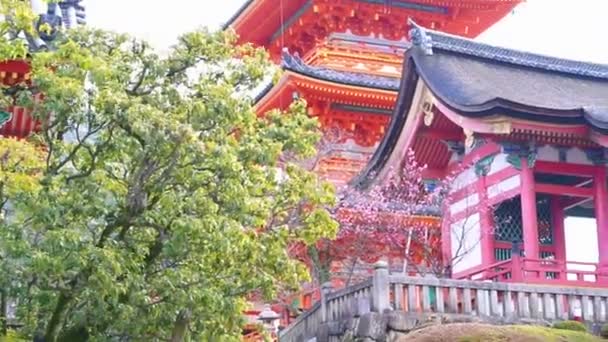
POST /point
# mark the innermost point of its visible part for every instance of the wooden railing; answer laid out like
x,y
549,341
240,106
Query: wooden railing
x,y
540,271
497,299
422,296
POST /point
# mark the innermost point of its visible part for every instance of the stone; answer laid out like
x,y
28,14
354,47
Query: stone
x,y
372,325
395,336
425,325
336,328
532,321
399,321
449,319
323,332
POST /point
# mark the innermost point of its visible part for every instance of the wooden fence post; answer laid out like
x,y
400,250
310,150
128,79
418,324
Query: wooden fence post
x,y
517,274
380,288
325,291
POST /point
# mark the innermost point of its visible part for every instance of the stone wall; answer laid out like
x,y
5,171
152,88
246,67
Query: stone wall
x,y
395,325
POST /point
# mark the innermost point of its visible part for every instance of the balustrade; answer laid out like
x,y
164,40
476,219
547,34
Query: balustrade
x,y
425,296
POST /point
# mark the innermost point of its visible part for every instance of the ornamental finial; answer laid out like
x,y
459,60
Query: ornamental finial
x,y
419,37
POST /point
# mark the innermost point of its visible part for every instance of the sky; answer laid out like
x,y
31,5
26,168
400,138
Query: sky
x,y
573,29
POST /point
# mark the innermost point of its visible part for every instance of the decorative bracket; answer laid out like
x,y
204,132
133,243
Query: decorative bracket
x,y
483,166
455,146
427,109
515,152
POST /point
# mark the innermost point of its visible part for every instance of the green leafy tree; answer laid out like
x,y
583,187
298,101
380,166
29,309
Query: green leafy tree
x,y
162,199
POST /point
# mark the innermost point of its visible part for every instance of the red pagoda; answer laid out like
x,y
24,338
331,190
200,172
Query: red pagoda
x,y
345,59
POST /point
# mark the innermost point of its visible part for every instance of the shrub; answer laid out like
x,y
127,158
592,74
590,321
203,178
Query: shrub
x,y
604,331
570,325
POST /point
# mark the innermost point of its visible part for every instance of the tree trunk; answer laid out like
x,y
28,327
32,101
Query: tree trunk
x,y
321,268
407,251
52,329
181,326
3,313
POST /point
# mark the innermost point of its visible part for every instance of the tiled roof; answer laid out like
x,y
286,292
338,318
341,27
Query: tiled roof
x,y
434,40
240,11
295,64
479,80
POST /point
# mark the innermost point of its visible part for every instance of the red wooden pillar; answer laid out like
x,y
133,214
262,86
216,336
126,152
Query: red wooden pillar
x,y
601,214
557,223
486,224
528,211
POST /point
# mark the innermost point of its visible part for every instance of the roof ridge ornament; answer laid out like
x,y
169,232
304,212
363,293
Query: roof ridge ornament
x,y
420,38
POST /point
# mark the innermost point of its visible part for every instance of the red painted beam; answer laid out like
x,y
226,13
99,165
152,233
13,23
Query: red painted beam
x,y
564,190
474,156
441,134
565,168
575,202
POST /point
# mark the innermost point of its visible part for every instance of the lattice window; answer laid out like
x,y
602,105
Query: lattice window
x,y
543,212
508,221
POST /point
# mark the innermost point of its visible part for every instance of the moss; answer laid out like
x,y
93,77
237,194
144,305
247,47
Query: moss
x,y
557,335
490,333
570,325
604,331
12,337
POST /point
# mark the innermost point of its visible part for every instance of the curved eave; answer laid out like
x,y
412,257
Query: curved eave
x,y
502,107
241,11
357,93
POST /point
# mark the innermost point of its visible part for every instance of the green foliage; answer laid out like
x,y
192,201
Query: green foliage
x,y
156,205
604,331
12,336
570,325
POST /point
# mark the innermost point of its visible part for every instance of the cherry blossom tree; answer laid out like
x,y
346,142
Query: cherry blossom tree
x,y
397,218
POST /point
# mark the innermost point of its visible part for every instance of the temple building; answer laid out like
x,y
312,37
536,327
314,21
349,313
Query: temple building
x,y
345,59
523,140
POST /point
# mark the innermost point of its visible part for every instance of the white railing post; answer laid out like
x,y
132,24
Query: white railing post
x,y
380,288
325,291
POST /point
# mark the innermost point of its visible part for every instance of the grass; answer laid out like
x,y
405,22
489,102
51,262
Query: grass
x,y
468,332
12,337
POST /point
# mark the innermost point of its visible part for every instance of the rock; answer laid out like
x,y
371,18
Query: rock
x,y
425,325
336,328
533,321
372,325
401,322
323,332
395,336
449,319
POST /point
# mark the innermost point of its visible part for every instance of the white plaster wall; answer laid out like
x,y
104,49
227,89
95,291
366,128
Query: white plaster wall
x,y
465,203
548,153
577,156
503,186
499,163
465,178
573,155
465,237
